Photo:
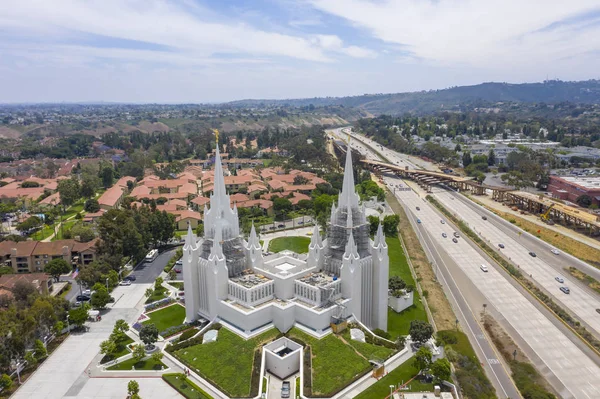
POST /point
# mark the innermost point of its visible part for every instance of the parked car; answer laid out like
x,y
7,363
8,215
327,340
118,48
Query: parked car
x,y
501,245
456,234
484,217
444,235
532,254
484,268
454,240
125,282
555,251
418,209
419,221
285,389
131,277
566,290
82,298
281,226
442,222
179,262
87,292
177,269
559,279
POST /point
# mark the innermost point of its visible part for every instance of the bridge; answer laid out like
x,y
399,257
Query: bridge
x,y
534,203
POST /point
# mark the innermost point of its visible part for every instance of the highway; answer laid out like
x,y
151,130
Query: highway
x,y
566,360
543,268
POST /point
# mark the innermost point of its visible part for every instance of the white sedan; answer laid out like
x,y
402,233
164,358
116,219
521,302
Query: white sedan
x,y
125,282
555,251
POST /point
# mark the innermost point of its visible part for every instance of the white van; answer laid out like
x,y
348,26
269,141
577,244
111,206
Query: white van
x,y
483,268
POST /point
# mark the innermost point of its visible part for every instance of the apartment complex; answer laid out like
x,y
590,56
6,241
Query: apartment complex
x,y
32,256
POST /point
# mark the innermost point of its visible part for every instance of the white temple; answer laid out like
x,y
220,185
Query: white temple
x,y
343,276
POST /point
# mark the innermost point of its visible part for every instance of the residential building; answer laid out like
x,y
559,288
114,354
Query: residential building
x,y
32,256
41,281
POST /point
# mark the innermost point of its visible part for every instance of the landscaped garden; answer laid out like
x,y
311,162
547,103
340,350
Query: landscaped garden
x,y
169,316
298,245
369,351
185,387
398,323
148,364
227,362
157,294
122,350
334,363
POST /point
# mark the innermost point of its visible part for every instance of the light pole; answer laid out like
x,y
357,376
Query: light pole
x,y
107,284
484,306
392,390
68,325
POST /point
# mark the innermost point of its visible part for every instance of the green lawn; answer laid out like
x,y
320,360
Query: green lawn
x,y
177,285
66,225
158,294
370,351
400,374
147,364
73,210
334,363
166,317
294,244
43,233
122,350
185,387
399,323
226,362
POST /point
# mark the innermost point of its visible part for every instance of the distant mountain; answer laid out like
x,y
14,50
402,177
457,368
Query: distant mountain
x,y
452,99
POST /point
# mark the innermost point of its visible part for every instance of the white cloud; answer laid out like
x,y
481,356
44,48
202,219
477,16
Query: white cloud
x,y
480,33
159,22
335,44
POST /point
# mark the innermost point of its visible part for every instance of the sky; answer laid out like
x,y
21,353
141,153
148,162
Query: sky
x,y
199,51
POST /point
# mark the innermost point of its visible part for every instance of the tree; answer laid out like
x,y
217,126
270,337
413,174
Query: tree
x,y
107,176
373,224
157,356
5,382
420,331
396,283
158,283
390,225
440,369
57,267
491,158
138,353
584,201
22,290
69,191
91,205
39,350
149,292
30,223
133,388
149,334
90,183
466,159
172,274
83,232
100,298
457,148
422,358
108,348
78,316
118,334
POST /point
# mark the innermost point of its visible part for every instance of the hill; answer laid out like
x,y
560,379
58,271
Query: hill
x,y
452,99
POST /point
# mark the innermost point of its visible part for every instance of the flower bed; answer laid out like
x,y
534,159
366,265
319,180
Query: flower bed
x,y
159,304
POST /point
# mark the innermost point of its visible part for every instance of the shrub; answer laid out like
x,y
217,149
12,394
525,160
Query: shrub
x,y
187,334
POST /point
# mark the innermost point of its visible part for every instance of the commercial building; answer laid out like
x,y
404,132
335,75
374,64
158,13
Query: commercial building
x,y
570,188
344,276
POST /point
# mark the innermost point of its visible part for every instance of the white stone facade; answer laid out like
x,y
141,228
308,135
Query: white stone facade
x,y
343,276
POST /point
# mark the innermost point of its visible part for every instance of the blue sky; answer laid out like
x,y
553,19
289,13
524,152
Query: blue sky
x,y
210,51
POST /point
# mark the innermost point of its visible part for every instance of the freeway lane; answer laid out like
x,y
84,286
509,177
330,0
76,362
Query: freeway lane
x,y
578,373
580,302
448,275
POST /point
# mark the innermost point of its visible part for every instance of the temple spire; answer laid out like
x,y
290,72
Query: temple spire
x,y
253,240
190,239
379,237
351,250
219,192
315,240
348,196
217,248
